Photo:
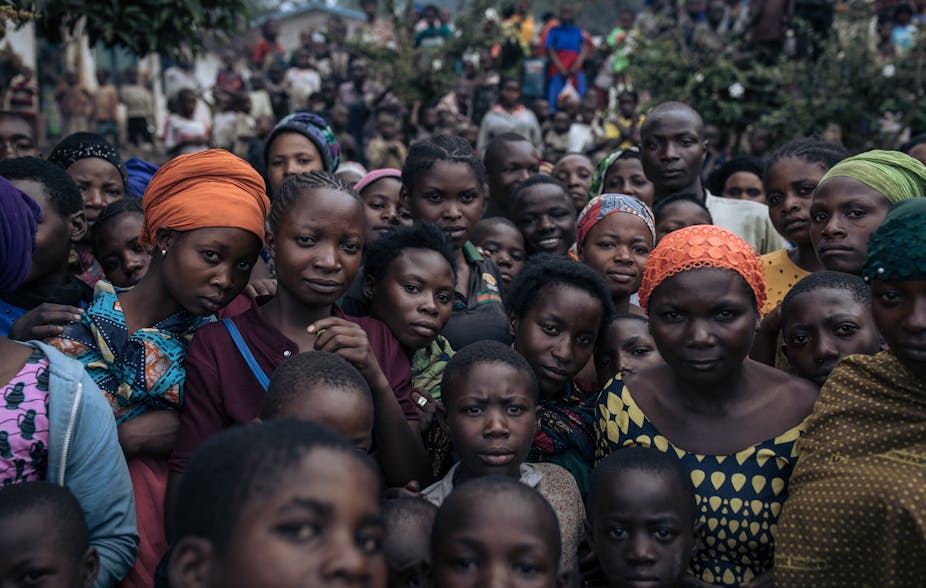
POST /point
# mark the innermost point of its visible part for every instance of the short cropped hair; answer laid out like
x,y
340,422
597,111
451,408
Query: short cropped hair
x,y
62,190
486,351
306,371
243,465
536,180
390,246
660,207
64,509
827,280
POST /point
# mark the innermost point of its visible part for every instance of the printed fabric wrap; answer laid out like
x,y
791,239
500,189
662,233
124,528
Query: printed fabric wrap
x,y
600,207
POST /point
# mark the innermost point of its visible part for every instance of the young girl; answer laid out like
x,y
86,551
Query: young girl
x,y
97,169
277,505
316,239
556,310
853,198
739,179
575,171
860,475
791,176
380,191
503,243
56,425
443,183
621,172
679,211
725,417
300,142
116,243
544,214
204,218
614,236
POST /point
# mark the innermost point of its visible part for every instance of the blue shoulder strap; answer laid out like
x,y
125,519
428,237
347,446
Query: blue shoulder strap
x,y
245,351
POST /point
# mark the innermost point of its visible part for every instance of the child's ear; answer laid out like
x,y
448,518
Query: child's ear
x,y
78,224
190,563
512,324
369,286
89,567
403,197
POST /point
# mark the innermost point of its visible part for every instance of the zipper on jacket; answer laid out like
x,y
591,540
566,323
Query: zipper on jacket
x,y
69,433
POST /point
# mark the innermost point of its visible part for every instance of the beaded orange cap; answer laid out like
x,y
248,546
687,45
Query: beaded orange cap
x,y
702,246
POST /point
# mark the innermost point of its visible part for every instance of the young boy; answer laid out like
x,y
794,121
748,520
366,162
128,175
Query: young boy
x,y
49,297
825,317
625,347
505,532
642,518
44,538
324,388
490,393
679,211
409,522
502,242
509,159
17,137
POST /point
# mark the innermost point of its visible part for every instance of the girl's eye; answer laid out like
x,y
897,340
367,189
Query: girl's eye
x,y
463,563
434,198
351,247
639,182
585,340
619,533
807,189
775,198
799,339
550,329
726,315
300,531
473,411
210,256
605,244
467,198
516,256
889,297
527,569
376,205
412,288
305,240
672,316
856,213
640,351
664,534
304,161
846,329
245,266
819,217
443,299
641,250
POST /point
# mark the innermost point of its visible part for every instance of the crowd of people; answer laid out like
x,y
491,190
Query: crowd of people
x,y
351,354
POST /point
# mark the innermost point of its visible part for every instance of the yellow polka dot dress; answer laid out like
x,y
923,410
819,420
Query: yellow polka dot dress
x,y
781,274
740,495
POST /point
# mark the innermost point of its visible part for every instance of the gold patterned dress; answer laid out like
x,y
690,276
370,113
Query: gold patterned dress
x,y
740,495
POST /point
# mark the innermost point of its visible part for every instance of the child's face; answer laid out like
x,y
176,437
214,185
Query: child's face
x,y
510,93
576,172
320,526
187,104
642,530
517,162
791,182
53,236
348,412
204,285
448,195
678,215
617,249
505,246
16,139
561,122
408,552
744,186
116,247
388,128
822,327
492,420
557,335
626,347
30,556
100,184
496,543
383,209
546,217
291,154
415,297
318,246
843,214
626,176
897,306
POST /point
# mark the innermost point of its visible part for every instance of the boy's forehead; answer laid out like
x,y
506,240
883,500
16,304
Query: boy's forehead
x,y
15,127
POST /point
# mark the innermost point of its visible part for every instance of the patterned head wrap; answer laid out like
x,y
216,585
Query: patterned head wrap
x,y
211,188
17,235
140,173
894,174
316,130
702,246
377,175
601,170
608,204
79,146
897,250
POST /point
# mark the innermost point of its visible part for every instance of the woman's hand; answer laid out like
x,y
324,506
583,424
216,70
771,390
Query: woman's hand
x,y
44,321
336,335
427,407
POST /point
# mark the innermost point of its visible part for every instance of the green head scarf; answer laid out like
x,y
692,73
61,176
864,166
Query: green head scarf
x,y
897,250
894,174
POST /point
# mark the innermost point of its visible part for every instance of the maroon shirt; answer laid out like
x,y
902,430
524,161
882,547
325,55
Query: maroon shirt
x,y
221,391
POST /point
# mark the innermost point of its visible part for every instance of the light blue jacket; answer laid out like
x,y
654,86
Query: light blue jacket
x,y
85,457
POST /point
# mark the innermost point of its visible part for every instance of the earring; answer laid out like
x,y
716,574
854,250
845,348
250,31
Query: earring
x,y
163,252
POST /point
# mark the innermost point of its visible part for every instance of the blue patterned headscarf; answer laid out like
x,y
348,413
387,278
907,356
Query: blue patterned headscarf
x,y
18,221
316,130
606,205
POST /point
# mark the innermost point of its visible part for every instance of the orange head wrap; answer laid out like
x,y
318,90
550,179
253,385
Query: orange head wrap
x,y
207,189
702,246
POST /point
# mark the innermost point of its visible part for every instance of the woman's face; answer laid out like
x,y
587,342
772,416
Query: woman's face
x,y
448,195
204,269
843,214
100,184
117,248
576,172
899,308
317,247
625,176
291,154
703,322
617,249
